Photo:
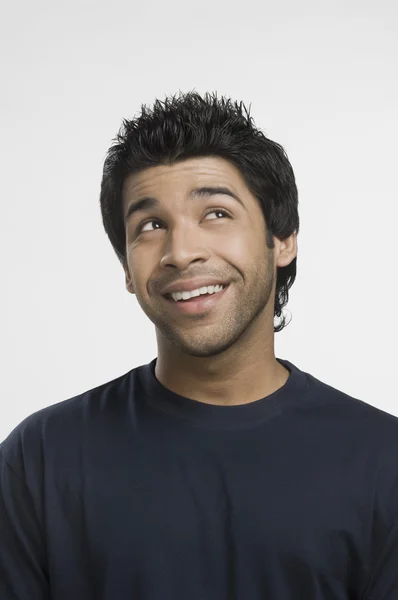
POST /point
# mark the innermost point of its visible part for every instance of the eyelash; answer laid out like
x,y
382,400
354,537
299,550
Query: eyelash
x,y
139,228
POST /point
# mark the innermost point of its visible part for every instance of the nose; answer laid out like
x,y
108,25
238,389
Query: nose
x,y
183,247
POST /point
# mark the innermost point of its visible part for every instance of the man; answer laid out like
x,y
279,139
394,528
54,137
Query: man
x,y
217,471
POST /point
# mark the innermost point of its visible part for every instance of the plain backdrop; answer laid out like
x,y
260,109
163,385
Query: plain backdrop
x,y
321,79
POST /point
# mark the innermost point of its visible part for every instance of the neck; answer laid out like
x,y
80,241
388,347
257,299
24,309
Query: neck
x,y
235,376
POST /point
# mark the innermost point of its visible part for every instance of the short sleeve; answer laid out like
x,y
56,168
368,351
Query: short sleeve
x,y
383,582
22,552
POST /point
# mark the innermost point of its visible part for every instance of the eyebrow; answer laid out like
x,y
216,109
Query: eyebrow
x,y
148,202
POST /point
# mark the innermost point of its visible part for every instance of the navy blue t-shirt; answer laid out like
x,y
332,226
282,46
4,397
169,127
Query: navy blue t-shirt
x,y
131,492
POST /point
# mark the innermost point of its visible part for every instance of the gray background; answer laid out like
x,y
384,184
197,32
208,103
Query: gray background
x,y
321,78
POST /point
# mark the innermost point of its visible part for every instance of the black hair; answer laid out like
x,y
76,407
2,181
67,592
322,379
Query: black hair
x,y
191,126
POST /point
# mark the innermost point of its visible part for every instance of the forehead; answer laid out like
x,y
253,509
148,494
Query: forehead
x,y
182,175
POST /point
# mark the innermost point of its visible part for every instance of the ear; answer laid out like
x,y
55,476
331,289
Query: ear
x,y
286,250
129,283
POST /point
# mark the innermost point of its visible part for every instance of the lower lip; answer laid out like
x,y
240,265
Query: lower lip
x,y
199,304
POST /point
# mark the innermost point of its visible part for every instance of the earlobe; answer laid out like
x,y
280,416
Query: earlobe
x,y
288,251
129,286
129,283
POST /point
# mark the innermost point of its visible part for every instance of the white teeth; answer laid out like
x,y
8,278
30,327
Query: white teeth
x,y
210,289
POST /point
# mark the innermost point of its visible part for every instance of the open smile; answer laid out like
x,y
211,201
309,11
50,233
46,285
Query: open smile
x,y
198,304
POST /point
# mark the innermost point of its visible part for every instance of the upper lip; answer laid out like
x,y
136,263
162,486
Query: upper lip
x,y
191,284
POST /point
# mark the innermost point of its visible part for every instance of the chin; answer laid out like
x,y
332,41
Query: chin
x,y
201,350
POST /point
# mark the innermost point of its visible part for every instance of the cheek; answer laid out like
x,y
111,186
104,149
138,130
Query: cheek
x,y
245,246
137,276
237,252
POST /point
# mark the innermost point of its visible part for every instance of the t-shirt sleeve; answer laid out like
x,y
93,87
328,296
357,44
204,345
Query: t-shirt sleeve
x,y
22,551
383,582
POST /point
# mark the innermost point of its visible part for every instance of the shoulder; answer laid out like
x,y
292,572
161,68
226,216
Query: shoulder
x,y
351,413
362,436
62,424
363,430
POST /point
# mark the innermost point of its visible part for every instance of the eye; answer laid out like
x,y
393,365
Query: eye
x,y
213,210
218,210
140,227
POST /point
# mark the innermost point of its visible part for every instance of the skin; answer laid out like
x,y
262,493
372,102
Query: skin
x,y
225,357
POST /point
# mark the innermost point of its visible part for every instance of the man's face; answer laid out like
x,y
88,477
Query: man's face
x,y
185,238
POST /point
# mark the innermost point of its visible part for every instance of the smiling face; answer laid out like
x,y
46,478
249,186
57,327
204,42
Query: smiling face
x,y
178,236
